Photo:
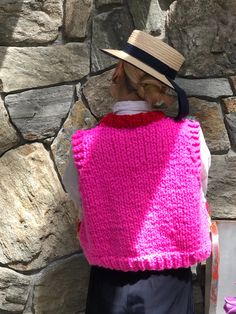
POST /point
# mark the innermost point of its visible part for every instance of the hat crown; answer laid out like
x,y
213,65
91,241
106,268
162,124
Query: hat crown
x,y
157,48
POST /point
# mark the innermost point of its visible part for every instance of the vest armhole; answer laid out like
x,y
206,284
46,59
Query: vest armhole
x,y
194,137
77,150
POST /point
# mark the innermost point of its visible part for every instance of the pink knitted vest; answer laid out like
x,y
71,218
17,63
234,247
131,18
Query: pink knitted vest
x,y
141,192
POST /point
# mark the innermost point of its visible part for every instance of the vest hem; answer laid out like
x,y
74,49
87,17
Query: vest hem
x,y
157,262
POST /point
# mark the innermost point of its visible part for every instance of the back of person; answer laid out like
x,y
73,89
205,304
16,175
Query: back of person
x,y
141,178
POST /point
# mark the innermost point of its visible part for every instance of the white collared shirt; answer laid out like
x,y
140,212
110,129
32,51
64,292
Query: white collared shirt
x,y
70,178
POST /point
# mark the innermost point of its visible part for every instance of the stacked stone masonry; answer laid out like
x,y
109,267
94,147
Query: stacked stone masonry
x,y
54,80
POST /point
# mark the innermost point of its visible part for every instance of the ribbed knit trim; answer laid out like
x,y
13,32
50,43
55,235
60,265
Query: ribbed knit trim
x,y
167,260
131,120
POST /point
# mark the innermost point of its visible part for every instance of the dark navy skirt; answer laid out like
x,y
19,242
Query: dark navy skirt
x,y
141,292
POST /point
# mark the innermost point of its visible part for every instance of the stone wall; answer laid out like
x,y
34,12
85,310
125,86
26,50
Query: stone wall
x,y
53,80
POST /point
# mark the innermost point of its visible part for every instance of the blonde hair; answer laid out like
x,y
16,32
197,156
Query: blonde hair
x,y
146,86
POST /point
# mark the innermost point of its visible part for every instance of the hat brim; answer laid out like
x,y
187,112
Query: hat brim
x,y
120,54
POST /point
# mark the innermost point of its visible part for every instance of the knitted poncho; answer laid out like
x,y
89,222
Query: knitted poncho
x,y
141,192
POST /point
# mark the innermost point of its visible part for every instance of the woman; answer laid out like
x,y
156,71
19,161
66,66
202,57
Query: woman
x,y
142,179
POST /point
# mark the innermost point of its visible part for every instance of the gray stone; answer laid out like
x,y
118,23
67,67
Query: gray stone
x,y
231,125
77,14
27,67
148,16
96,92
213,88
29,22
14,291
8,135
100,3
79,118
61,288
210,116
114,36
233,80
222,186
206,35
39,113
38,221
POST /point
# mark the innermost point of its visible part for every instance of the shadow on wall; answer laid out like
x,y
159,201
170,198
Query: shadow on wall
x,y
148,16
10,13
27,24
165,4
111,29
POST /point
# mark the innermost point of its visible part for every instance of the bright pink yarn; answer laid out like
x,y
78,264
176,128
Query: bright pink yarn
x,y
141,192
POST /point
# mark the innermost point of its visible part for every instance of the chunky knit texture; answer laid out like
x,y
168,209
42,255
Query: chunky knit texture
x,y
141,192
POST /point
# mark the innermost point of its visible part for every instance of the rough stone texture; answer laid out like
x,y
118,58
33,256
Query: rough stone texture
x,y
27,67
148,16
39,113
210,116
37,222
231,125
79,118
229,104
8,135
61,288
29,22
233,80
222,186
206,36
114,36
100,3
77,14
213,88
96,92
14,291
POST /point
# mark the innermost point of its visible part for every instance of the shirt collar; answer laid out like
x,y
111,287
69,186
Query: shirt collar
x,y
131,106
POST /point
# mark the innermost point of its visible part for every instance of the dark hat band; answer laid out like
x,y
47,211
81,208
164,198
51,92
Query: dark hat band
x,y
164,69
149,60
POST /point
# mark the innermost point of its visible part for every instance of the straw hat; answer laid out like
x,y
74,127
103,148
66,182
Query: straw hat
x,y
156,58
